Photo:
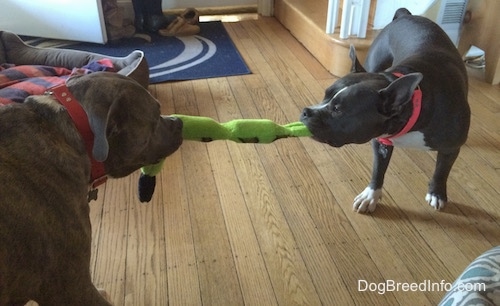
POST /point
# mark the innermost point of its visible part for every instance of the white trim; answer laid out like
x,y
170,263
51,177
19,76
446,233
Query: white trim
x,y
265,7
332,16
354,18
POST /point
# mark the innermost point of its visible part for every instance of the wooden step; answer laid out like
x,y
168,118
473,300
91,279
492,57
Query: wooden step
x,y
306,20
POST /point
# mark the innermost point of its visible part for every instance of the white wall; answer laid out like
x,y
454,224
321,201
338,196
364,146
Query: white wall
x,y
385,10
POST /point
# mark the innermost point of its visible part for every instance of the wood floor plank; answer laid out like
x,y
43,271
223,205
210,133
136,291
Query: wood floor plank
x,y
289,275
112,248
182,272
181,263
146,250
256,287
212,246
291,281
96,211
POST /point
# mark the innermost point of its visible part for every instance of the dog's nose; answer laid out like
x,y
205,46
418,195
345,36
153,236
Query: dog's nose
x,y
179,122
173,122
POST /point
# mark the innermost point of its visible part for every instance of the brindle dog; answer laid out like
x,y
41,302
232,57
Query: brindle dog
x,y
45,231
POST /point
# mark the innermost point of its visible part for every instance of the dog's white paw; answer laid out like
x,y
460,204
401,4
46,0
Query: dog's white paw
x,y
367,200
435,202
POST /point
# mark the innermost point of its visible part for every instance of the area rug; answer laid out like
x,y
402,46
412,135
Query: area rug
x,y
209,54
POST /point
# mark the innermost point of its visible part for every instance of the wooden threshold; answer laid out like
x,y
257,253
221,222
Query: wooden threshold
x,y
220,10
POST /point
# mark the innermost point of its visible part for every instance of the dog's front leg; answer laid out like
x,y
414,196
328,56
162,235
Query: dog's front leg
x,y
437,196
367,200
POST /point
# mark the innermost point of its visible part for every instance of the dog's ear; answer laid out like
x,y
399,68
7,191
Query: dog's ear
x,y
398,93
106,122
401,12
356,65
96,112
98,126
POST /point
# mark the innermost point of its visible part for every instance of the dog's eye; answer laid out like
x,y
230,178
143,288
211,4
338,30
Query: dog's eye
x,y
335,109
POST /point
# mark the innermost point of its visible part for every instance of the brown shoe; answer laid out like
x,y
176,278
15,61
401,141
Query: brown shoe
x,y
179,27
191,15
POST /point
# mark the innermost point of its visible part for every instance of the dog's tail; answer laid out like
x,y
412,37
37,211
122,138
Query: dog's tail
x,y
401,12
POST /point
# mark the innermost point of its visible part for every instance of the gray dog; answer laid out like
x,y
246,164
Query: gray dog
x,y
45,233
413,93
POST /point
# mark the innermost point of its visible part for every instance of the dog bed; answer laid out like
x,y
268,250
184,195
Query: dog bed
x,y
479,284
14,52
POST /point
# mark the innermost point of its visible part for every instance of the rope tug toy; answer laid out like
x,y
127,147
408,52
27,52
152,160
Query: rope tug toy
x,y
206,129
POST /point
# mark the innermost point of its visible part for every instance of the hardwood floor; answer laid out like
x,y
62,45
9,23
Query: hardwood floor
x,y
234,224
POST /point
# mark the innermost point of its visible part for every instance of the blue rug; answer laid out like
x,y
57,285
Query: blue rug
x,y
209,54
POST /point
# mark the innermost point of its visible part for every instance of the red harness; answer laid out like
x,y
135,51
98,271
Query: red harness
x,y
77,113
417,106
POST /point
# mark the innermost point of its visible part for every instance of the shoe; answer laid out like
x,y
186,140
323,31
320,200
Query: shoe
x,y
179,27
191,15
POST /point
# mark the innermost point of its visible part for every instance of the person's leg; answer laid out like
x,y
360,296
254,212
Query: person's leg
x,y
149,16
139,13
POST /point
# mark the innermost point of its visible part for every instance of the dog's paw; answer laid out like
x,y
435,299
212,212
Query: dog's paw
x,y
435,201
367,200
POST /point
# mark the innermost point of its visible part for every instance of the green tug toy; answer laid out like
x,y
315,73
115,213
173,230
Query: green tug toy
x,y
205,129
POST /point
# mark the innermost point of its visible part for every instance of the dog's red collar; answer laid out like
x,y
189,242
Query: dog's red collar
x,y
417,106
77,113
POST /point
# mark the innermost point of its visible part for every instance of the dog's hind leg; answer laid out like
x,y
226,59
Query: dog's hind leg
x,y
368,199
437,196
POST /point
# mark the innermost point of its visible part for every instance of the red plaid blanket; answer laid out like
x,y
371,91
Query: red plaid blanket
x,y
19,82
